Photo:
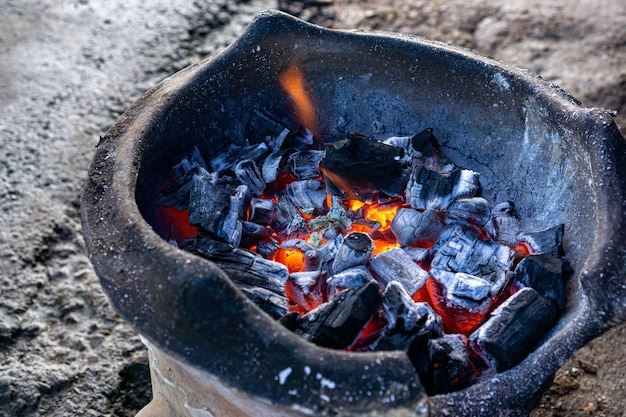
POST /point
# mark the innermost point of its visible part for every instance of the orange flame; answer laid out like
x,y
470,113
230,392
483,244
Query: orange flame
x,y
295,86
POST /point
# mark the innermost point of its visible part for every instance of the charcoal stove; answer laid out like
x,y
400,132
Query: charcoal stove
x,y
213,351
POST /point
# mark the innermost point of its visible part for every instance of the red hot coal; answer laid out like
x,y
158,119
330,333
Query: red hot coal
x,y
370,244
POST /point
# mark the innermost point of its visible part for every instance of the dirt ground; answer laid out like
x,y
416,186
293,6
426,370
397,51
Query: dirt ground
x,y
68,69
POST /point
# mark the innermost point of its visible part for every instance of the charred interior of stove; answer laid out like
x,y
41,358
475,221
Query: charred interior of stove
x,y
275,167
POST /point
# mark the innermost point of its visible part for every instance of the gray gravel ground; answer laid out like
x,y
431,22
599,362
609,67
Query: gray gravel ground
x,y
69,68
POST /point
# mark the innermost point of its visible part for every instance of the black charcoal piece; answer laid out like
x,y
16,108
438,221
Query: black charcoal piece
x,y
471,211
546,240
428,327
233,154
262,211
400,309
305,165
193,160
355,250
545,273
209,204
360,167
396,265
240,201
286,210
267,249
177,194
506,223
514,328
309,195
264,126
450,366
247,172
411,226
430,190
425,143
273,304
252,233
274,164
460,249
337,323
350,278
242,266
230,229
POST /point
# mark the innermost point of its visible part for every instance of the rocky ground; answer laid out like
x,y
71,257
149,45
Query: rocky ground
x,y
69,68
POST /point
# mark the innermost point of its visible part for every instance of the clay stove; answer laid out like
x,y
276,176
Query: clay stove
x,y
216,353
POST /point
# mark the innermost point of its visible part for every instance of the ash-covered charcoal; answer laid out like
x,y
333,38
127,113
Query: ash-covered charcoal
x,y
274,164
273,304
414,227
350,278
246,269
248,173
471,212
546,240
304,165
240,200
209,204
262,211
193,160
545,273
309,196
177,194
252,233
465,290
267,249
337,323
360,167
355,250
403,317
233,154
514,328
230,228
418,254
264,127
506,223
450,365
396,265
305,280
460,249
289,222
430,190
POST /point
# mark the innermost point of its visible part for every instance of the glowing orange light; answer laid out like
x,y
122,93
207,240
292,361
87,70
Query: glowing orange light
x,y
295,86
382,245
381,214
292,259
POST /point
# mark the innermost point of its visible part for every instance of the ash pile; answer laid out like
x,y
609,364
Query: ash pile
x,y
364,244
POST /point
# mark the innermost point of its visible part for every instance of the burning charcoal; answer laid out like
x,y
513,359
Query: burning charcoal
x,y
412,227
505,222
273,164
289,222
177,194
262,211
396,265
407,320
463,289
429,190
248,173
327,253
546,240
514,328
450,365
309,195
399,142
459,249
417,254
359,167
233,154
350,278
252,233
471,211
267,249
265,127
311,256
337,323
305,280
305,165
355,250
189,162
545,273
209,204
